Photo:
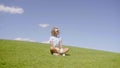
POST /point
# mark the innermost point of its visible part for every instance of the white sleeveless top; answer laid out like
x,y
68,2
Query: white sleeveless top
x,y
55,40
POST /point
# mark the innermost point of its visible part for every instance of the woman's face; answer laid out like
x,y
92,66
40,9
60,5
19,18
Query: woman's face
x,y
56,31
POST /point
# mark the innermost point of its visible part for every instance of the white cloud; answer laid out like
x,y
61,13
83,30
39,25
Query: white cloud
x,y
24,39
12,10
45,42
44,25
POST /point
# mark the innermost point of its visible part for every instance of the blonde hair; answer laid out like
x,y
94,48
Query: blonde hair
x,y
53,31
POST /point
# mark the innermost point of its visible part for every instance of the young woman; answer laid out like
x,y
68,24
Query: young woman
x,y
56,47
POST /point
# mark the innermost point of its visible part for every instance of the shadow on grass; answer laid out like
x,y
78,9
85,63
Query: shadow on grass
x,y
67,55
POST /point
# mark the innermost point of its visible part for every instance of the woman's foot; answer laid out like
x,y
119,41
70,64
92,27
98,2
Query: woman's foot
x,y
56,54
63,54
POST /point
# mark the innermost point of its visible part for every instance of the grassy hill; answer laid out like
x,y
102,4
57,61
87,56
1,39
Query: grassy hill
x,y
19,54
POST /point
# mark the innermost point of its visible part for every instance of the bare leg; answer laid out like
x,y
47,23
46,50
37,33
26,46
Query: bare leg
x,y
54,50
65,50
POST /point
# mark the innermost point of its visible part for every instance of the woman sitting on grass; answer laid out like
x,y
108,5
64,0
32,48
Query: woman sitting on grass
x,y
56,47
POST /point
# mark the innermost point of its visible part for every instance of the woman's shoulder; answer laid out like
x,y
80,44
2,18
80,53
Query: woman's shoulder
x,y
52,37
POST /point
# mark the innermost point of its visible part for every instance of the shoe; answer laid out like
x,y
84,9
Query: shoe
x,y
56,54
63,54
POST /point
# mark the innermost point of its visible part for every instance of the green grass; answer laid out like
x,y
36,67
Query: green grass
x,y
19,54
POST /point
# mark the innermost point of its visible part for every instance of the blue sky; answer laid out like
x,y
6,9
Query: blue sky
x,y
83,23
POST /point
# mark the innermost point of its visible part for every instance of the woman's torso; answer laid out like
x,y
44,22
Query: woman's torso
x,y
55,40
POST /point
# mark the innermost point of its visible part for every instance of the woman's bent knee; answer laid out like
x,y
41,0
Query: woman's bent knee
x,y
66,50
